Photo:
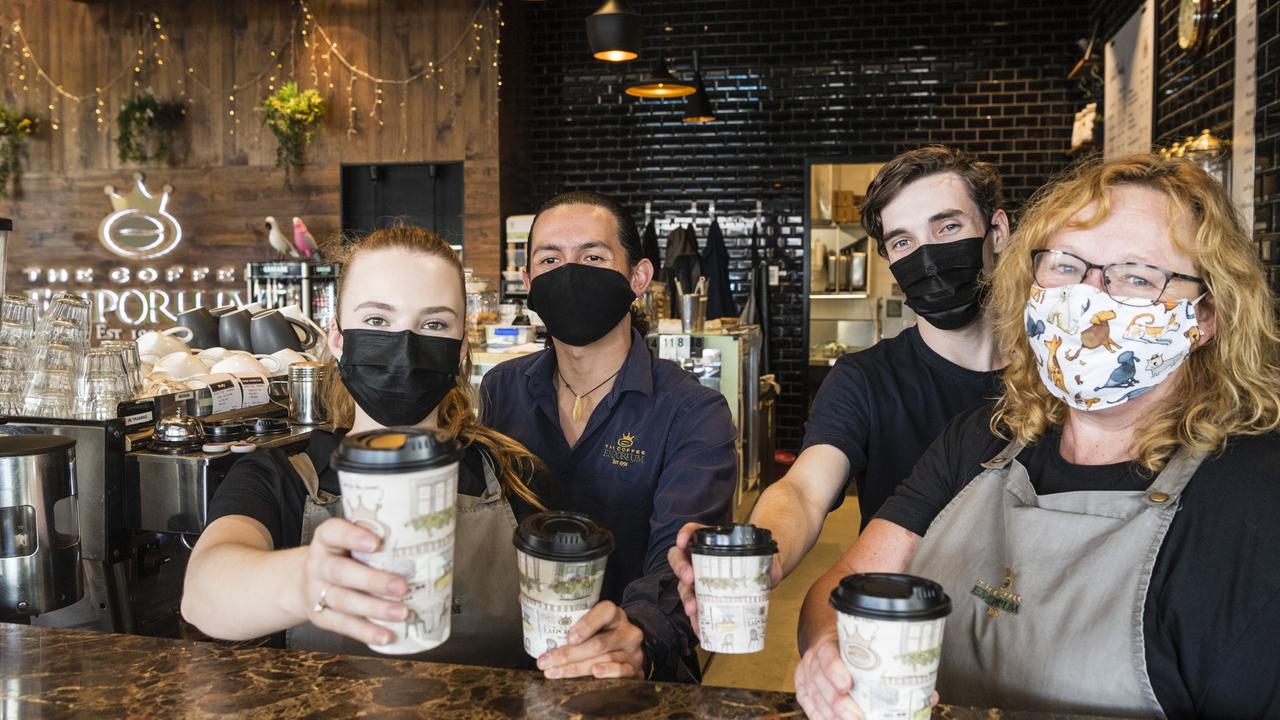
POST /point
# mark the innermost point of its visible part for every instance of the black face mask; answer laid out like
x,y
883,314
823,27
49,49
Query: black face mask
x,y
580,303
942,282
398,378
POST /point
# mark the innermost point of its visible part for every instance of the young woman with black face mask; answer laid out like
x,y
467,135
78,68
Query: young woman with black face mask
x,y
276,554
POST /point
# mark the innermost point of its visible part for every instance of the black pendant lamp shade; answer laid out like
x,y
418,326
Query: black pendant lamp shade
x,y
614,32
660,84
697,107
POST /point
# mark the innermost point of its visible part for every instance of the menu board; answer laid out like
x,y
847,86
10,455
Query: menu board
x,y
1245,107
1130,86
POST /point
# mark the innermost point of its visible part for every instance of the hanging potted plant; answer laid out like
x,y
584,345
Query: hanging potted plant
x,y
14,128
144,126
293,117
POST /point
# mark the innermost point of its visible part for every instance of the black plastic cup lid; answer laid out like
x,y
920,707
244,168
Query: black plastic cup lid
x,y
733,540
563,537
394,450
890,596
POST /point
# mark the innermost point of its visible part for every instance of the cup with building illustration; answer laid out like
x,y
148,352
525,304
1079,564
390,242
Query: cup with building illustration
x,y
561,558
731,580
890,633
401,484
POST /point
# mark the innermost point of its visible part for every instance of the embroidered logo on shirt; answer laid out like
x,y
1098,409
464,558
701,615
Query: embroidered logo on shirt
x,y
622,453
998,599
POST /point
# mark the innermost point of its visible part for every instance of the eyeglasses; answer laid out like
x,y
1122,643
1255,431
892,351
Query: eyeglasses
x,y
1132,284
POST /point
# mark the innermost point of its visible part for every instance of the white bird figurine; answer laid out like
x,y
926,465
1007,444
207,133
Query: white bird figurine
x,y
303,241
278,241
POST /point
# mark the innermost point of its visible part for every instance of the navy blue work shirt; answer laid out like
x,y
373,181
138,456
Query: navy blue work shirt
x,y
657,452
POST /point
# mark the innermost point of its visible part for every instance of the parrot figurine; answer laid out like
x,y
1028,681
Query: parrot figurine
x,y
278,241
303,241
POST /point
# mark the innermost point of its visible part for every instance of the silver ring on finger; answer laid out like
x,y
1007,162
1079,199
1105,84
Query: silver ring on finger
x,y
320,605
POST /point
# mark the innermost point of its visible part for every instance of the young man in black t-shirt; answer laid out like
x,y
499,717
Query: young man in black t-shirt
x,y
935,214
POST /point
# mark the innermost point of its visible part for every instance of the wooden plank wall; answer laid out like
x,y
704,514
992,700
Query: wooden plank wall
x,y
224,180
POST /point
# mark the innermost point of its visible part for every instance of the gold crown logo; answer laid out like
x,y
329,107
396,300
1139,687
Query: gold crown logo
x,y
139,197
627,440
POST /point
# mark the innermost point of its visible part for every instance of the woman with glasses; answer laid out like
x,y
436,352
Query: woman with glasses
x,y
1107,529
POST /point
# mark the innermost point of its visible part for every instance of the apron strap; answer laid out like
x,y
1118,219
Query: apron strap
x,y
1171,481
310,478
1005,456
492,488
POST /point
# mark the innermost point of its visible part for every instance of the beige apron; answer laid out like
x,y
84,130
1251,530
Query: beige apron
x,y
1048,591
485,627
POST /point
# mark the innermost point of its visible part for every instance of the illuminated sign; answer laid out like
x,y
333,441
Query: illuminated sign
x,y
129,297
140,227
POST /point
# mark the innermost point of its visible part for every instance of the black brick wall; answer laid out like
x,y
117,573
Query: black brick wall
x,y
794,79
1193,91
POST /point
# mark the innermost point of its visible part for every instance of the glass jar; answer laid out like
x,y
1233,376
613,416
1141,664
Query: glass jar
x,y
482,309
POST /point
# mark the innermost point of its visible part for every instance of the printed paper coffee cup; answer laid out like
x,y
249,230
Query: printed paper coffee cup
x,y
561,557
890,634
401,484
731,581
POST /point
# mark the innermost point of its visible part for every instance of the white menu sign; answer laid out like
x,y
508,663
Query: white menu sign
x,y
1245,105
1130,87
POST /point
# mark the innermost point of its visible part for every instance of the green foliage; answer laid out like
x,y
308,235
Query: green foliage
x,y
432,521
14,128
573,586
144,126
921,658
293,116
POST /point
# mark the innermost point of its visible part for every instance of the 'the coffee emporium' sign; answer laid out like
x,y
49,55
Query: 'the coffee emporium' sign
x,y
140,228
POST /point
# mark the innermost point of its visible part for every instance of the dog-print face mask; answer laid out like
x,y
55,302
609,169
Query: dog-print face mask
x,y
1094,352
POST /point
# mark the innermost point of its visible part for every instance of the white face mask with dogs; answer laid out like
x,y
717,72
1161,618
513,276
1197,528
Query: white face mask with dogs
x,y
1094,352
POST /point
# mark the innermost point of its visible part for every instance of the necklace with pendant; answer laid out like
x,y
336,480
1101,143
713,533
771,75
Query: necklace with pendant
x,y
577,399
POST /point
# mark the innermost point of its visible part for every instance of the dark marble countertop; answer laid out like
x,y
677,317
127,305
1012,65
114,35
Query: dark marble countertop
x,y
50,673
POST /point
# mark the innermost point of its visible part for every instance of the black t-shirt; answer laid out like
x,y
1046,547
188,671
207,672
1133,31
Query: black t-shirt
x,y
1212,615
264,486
883,406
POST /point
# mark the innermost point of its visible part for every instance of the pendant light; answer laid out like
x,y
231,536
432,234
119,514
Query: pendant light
x,y
614,32
697,108
660,84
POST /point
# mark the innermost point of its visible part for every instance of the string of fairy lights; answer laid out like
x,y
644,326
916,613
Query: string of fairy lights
x,y
309,55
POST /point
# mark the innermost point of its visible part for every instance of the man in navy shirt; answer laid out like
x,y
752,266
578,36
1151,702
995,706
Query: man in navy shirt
x,y
935,214
633,441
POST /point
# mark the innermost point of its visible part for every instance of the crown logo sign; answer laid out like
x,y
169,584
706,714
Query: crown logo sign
x,y
627,440
140,225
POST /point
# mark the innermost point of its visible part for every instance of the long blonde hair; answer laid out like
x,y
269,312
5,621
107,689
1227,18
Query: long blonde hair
x,y
457,415
1230,386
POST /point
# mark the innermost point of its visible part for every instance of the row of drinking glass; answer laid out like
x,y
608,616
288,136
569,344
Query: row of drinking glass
x,y
48,369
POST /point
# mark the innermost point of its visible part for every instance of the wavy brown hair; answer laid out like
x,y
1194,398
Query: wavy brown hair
x,y
457,416
1230,386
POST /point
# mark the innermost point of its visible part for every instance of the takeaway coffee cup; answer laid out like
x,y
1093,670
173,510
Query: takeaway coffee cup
x,y
890,634
731,580
401,484
561,557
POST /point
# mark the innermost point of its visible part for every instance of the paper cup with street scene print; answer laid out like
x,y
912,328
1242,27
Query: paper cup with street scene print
x,y
402,484
890,633
561,558
731,581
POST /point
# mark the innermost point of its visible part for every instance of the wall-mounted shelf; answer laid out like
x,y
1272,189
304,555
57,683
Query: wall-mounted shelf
x,y
838,296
